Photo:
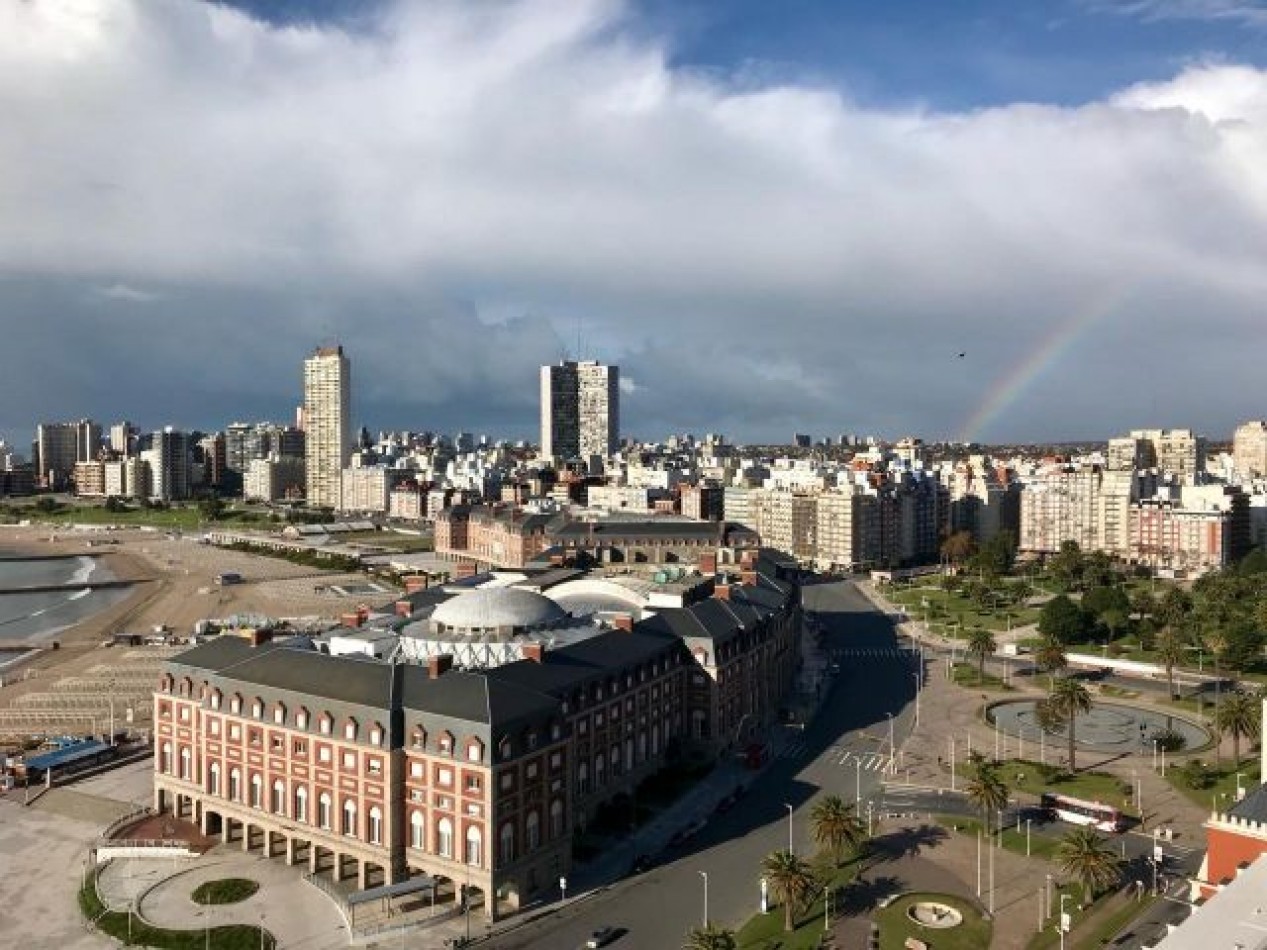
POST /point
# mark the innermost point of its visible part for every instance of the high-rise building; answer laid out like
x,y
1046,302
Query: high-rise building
x,y
170,462
580,410
327,423
59,445
123,438
1249,449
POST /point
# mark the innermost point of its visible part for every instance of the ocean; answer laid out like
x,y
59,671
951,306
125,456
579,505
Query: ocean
x,y
40,616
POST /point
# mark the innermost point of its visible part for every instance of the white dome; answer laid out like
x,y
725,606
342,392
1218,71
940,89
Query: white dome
x,y
496,608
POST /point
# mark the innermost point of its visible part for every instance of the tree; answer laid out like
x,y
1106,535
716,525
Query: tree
x,y
985,788
1066,565
1063,619
1100,600
710,938
791,882
1068,698
836,827
1049,655
1083,856
981,645
1143,603
1216,643
1239,715
958,547
1174,607
1114,620
211,508
1170,653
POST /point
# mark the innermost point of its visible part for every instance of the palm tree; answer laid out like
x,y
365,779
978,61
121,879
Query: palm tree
x,y
1216,643
981,645
985,788
836,826
1239,715
1050,657
710,938
1068,698
791,881
1170,652
1082,855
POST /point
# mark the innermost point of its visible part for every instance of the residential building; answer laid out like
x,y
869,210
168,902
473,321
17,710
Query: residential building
x,y
170,462
327,424
90,479
580,410
59,445
703,502
368,488
1249,449
123,438
274,479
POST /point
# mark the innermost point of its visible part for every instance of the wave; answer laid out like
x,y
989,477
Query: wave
x,y
86,566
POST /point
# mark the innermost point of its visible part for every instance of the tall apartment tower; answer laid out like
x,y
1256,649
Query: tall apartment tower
x,y
580,410
59,445
327,423
1249,449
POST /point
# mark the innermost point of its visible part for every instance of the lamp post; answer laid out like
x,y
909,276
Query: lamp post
x,y
790,849
1061,923
857,787
704,875
952,763
1028,822
1239,793
892,749
916,677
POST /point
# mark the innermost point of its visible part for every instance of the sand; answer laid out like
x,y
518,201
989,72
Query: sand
x,y
175,587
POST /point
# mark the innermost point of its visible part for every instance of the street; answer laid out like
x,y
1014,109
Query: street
x,y
844,751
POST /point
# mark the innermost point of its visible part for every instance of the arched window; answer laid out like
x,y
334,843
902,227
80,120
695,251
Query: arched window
x,y
235,785
506,842
301,804
186,764
257,792
417,831
474,751
532,832
629,758
165,763
556,819
213,779
474,846
376,825
598,771
323,810
444,838
279,797
582,779
613,758
349,817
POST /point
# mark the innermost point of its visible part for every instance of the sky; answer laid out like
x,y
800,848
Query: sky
x,y
993,220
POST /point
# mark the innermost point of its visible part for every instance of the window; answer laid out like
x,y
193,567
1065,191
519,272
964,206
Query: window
x,y
506,840
472,783
186,765
376,825
446,744
532,771
349,760
326,724
417,831
349,817
323,811
556,761
257,709
532,829
301,719
507,781
279,797
301,804
165,760
255,737
598,770
613,758
444,838
474,846
474,752
376,736
419,739
235,785
416,770
323,754
582,779
300,747
213,779
235,732
375,766
276,742
556,731
349,729
279,714
184,714
235,704
257,792
556,819
444,778
214,727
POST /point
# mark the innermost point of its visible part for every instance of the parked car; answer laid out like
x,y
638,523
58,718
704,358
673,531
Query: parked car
x,y
600,938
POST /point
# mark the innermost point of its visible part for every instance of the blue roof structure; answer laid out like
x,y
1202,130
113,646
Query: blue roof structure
x,y
66,755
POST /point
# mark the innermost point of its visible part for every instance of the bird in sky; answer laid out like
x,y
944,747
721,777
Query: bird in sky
x,y
962,355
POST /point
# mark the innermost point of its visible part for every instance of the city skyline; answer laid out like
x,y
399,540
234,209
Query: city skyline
x,y
771,223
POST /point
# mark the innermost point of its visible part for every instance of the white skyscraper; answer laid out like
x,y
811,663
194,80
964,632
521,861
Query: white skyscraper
x,y
580,410
327,423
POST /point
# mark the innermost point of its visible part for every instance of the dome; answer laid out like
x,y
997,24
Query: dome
x,y
498,608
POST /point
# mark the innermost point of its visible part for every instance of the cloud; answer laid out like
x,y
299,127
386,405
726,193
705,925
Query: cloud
x,y
1245,12
124,292
448,187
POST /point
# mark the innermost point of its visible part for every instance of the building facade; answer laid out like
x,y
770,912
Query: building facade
x,y
327,424
580,410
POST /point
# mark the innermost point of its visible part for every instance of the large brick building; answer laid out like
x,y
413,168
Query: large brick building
x,y
476,778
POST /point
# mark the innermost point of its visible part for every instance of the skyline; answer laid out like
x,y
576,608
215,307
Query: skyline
x,y
764,225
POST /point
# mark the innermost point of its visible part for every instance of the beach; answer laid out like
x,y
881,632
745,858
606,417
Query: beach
x,y
172,587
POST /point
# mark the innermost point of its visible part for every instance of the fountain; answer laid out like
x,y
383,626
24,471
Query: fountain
x,y
934,915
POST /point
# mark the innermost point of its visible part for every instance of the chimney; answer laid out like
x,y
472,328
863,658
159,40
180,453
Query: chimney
x,y
533,651
623,622
721,591
708,563
404,608
438,665
351,620
748,577
415,583
260,637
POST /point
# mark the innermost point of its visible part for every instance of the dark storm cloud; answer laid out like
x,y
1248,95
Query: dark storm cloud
x,y
191,199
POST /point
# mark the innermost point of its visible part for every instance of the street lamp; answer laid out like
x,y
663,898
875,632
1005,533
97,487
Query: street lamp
x,y
790,849
704,875
826,912
1061,923
857,788
1028,822
916,676
892,750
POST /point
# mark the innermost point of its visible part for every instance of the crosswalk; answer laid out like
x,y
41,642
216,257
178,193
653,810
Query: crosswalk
x,y
844,758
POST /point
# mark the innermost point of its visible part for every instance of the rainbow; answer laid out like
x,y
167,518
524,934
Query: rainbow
x,y
1020,377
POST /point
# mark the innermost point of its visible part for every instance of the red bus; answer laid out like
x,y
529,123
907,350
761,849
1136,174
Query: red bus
x,y
1078,811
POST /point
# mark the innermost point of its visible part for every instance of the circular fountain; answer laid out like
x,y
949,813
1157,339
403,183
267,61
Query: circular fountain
x,y
934,915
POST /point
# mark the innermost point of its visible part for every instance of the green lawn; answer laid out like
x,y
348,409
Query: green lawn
x,y
182,517
967,674
1033,779
765,931
1040,845
1092,928
952,614
229,890
1221,790
895,926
